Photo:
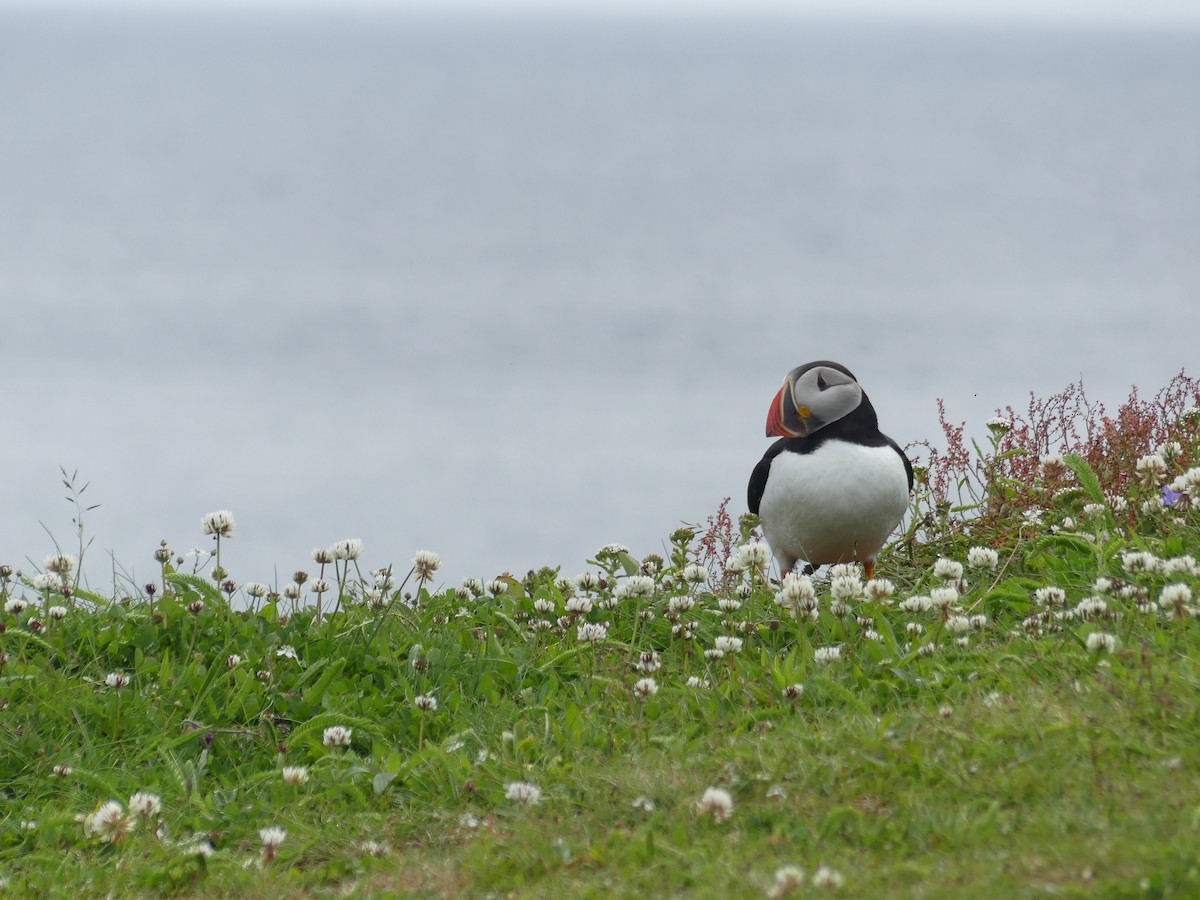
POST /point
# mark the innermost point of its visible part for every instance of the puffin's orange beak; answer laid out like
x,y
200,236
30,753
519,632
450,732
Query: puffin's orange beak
x,y
776,416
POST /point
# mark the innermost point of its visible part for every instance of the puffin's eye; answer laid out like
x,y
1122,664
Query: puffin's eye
x,y
822,384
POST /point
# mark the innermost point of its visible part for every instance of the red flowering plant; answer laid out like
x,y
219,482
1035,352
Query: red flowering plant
x,y
1042,458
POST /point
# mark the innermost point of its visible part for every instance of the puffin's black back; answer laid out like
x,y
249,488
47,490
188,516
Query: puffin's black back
x,y
860,426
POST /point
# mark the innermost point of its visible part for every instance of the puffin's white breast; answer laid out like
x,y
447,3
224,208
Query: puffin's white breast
x,y
836,504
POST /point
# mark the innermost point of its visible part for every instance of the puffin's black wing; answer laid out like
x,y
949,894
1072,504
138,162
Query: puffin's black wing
x,y
758,484
907,464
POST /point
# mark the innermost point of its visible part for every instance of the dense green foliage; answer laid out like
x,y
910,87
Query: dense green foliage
x,y
980,724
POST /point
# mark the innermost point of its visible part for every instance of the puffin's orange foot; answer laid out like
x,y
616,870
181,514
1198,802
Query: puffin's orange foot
x,y
869,569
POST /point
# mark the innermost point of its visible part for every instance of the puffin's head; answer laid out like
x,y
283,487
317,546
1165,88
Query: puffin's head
x,y
812,396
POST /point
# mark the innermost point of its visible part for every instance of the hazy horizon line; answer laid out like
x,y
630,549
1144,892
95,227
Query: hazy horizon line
x,y
1030,14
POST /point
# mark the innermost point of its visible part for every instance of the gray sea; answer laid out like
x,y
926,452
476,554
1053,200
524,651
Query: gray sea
x,y
513,288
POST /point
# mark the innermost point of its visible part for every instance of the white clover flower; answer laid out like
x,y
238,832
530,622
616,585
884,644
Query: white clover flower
x,y
116,680
1101,642
1175,595
716,802
1188,483
1089,607
681,604
426,563
1102,585
649,662
794,691
233,660
294,775
62,770
588,581
591,631
1151,468
108,822
60,563
145,805
15,606
696,682
218,524
824,655
826,877
714,653
943,597
1181,565
523,793
426,703
1050,596
645,804
497,586
982,558
46,581
1169,450
958,624
639,586
272,837
546,607
348,548
579,605
1152,506
1094,509
728,643
374,848
879,589
255,589
695,574
319,586
1139,561
787,880
1052,464
948,569
729,604
797,593
916,629
337,736
473,586
978,621
645,688
919,603
756,555
846,587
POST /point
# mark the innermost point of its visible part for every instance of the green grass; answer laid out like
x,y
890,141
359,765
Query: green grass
x,y
1020,764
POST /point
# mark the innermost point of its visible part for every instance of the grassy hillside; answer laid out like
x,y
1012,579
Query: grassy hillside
x,y
1010,709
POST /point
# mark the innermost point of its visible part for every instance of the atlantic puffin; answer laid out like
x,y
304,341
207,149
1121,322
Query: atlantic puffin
x,y
834,486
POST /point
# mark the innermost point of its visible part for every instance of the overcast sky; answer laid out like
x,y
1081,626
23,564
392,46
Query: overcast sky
x,y
1101,11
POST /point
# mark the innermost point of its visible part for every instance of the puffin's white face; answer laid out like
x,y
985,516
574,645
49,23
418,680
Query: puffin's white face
x,y
810,399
